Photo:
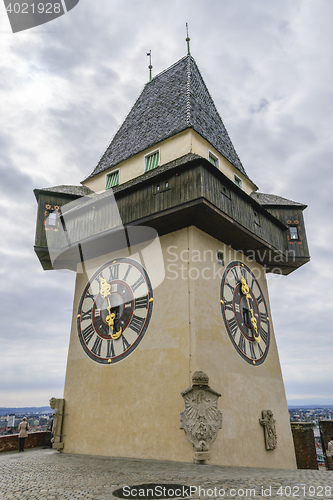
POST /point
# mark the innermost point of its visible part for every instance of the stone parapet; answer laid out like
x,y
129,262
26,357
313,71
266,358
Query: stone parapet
x,y
304,442
34,440
326,431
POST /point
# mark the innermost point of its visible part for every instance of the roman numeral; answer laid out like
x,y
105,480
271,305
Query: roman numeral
x,y
141,302
89,295
263,317
232,323
253,354
261,352
88,333
137,323
96,348
228,306
232,288
86,315
114,272
110,349
241,344
126,345
99,278
259,299
235,273
263,335
127,272
137,283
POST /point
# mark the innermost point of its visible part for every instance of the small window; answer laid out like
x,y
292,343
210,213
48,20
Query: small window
x,y
220,258
112,179
226,192
256,217
152,161
213,159
160,188
293,233
52,219
238,181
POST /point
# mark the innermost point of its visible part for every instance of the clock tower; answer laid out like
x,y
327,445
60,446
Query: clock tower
x,y
171,242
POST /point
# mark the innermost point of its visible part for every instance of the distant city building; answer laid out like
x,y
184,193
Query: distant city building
x,y
11,420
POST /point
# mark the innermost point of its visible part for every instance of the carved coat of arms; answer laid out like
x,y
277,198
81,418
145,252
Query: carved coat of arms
x,y
201,419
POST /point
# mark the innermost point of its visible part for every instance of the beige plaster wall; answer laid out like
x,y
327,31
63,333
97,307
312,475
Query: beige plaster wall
x,y
170,149
246,389
179,145
202,147
131,408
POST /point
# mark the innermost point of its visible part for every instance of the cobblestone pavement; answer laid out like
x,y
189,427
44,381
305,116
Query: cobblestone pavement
x,y
44,474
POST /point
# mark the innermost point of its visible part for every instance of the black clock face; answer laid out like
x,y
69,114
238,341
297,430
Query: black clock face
x,y
245,314
115,310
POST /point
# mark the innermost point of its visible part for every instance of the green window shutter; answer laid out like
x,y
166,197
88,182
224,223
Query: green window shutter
x,y
112,180
213,160
152,161
238,181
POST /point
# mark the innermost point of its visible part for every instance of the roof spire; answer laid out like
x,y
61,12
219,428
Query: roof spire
x,y
150,66
188,41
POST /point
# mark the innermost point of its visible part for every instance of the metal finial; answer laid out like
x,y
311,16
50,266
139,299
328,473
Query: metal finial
x,y
188,41
150,66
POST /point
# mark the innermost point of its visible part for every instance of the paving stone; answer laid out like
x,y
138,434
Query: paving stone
x,y
49,475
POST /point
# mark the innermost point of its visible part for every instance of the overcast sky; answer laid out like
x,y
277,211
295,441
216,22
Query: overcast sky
x,y
65,88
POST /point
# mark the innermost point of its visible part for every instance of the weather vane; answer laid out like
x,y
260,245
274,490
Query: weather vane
x,y
188,41
150,66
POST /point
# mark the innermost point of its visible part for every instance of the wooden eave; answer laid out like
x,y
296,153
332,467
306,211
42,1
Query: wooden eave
x,y
189,201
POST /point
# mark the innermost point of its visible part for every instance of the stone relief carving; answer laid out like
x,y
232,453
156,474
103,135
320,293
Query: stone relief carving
x,y
268,423
201,419
58,406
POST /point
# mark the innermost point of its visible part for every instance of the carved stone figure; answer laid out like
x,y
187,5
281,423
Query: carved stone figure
x,y
201,419
268,423
58,406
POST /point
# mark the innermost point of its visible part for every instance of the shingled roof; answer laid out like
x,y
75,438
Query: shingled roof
x,y
272,200
171,102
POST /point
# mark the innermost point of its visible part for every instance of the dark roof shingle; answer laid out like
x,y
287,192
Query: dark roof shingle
x,y
173,101
271,200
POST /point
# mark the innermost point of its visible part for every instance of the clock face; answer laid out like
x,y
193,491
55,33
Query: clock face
x,y
244,312
115,310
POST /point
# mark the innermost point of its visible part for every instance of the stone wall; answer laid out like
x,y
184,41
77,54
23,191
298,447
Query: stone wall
x,y
34,440
305,448
326,431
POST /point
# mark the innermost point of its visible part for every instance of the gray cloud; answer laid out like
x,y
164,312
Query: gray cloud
x,y
65,92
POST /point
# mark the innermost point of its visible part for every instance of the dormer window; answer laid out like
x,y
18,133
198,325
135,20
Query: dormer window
x,y
112,179
152,160
213,159
238,181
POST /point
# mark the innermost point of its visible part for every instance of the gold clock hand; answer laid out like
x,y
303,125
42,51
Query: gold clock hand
x,y
105,288
245,291
116,335
110,318
105,292
110,321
